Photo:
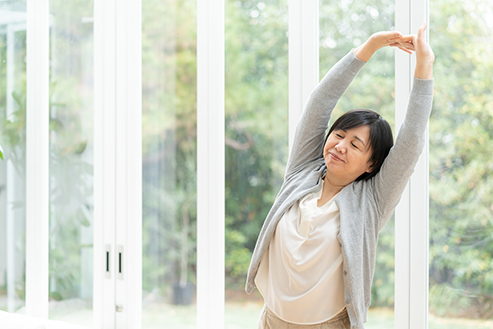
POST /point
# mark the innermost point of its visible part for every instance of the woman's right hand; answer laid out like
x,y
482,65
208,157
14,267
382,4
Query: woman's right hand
x,y
424,54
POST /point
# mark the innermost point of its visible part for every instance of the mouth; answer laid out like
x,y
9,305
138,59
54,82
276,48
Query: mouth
x,y
335,157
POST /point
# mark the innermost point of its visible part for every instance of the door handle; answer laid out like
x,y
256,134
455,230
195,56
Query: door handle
x,y
107,273
120,262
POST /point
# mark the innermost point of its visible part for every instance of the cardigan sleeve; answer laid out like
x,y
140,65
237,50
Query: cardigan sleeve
x,y
310,130
391,180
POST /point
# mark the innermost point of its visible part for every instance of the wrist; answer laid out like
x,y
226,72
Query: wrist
x,y
365,51
424,71
373,43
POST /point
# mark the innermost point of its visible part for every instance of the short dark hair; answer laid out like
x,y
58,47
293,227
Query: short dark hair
x,y
381,139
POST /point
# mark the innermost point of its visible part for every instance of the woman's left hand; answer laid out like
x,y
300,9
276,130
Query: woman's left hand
x,y
380,40
390,38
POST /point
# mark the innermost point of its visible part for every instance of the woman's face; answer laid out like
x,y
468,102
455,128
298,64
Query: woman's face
x,y
346,153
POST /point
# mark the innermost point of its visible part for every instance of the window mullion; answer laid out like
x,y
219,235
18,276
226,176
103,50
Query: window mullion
x,y
419,208
411,216
37,153
210,164
402,211
129,148
104,163
303,57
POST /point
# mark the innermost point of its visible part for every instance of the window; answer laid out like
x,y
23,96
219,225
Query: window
x,y
13,167
71,161
461,166
128,114
169,164
256,107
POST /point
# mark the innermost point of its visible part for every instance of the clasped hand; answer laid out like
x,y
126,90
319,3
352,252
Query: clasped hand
x,y
407,43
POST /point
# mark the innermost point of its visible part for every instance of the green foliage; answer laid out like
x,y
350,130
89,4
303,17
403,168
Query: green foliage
x,y
71,189
256,123
461,169
13,124
346,25
238,258
169,106
71,140
13,135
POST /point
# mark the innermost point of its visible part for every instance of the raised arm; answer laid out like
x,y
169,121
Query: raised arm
x,y
399,165
311,128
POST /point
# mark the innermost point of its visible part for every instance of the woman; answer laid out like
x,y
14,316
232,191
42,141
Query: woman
x,y
314,258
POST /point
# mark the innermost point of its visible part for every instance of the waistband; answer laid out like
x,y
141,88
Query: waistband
x,y
341,315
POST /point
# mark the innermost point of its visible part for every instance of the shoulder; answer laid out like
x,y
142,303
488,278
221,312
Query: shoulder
x,y
359,195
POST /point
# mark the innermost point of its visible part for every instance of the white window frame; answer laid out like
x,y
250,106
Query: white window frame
x,y
117,297
411,215
104,164
210,164
37,157
303,57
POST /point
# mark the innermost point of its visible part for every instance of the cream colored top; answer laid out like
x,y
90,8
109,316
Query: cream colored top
x,y
300,276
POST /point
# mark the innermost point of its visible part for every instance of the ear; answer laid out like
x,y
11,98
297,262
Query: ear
x,y
368,167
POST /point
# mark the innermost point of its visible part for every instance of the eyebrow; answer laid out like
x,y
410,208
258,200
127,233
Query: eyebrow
x,y
360,141
355,137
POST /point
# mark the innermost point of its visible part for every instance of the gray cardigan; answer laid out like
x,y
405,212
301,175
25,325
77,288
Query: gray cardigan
x,y
365,206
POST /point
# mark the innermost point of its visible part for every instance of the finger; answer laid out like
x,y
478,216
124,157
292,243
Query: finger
x,y
401,48
406,45
409,37
396,34
405,50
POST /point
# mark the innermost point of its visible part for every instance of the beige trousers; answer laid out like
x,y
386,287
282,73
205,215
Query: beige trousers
x,y
269,320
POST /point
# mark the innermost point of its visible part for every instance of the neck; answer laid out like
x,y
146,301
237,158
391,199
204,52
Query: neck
x,y
332,186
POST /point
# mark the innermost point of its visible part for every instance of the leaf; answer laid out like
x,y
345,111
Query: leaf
x,y
80,147
1,152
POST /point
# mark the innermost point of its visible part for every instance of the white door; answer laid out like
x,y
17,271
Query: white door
x,y
117,174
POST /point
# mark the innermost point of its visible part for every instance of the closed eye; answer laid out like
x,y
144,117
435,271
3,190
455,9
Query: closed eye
x,y
355,146
338,135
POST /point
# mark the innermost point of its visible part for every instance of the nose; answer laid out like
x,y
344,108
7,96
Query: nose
x,y
340,148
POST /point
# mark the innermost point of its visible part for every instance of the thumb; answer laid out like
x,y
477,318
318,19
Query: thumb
x,y
421,31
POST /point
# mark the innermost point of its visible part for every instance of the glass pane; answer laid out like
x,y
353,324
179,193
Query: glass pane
x,y
71,161
169,115
256,138
461,166
345,25
13,166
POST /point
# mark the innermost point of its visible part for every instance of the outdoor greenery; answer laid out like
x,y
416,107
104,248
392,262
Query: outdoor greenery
x,y
461,162
256,99
13,142
256,123
169,65
461,138
71,133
